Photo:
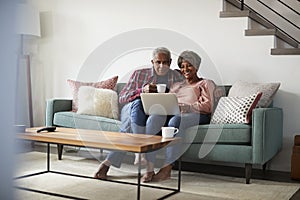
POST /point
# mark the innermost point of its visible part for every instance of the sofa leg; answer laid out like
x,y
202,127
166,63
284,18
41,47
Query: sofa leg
x,y
59,151
248,170
101,154
264,167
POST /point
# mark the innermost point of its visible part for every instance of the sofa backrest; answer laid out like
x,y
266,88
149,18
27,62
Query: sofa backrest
x,y
227,88
119,87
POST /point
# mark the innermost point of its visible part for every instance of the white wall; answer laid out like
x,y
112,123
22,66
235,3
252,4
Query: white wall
x,y
72,30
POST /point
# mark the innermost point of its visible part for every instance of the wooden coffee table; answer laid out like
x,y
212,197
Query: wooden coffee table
x,y
136,143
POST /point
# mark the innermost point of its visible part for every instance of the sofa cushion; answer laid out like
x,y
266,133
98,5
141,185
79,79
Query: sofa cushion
x,y
98,101
221,152
243,89
232,110
219,133
75,85
74,120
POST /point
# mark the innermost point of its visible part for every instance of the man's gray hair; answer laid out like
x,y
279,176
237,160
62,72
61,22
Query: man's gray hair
x,y
162,50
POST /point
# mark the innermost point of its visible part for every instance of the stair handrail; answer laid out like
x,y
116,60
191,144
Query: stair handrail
x,y
243,5
289,7
283,17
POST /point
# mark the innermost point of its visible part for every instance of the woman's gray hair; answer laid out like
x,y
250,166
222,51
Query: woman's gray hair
x,y
162,50
191,57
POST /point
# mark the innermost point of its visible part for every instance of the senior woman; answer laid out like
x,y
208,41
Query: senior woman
x,y
195,97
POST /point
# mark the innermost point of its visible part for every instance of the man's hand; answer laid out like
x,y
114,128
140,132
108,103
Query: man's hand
x,y
150,88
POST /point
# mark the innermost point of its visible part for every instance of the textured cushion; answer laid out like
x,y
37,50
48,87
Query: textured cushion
x,y
75,85
244,89
231,110
100,102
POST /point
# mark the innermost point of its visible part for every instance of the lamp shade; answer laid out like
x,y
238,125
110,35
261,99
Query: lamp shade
x,y
28,20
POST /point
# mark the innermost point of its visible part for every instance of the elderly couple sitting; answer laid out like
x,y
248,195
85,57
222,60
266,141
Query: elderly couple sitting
x,y
195,97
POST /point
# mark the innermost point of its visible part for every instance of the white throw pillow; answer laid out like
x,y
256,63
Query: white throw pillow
x,y
98,101
235,110
244,89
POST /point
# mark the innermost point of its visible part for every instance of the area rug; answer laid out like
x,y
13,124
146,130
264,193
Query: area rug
x,y
194,185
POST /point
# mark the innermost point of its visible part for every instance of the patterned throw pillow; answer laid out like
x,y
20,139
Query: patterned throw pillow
x,y
234,110
75,85
98,101
244,89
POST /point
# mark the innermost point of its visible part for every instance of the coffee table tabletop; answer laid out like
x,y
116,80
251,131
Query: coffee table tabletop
x,y
138,143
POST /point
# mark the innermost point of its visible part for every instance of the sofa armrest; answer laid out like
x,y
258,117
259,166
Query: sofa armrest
x,y
56,105
267,133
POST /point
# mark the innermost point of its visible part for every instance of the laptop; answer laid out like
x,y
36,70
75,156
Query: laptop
x,y
160,103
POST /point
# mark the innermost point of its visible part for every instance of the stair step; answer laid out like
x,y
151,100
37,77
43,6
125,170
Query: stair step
x,y
277,33
251,32
234,3
242,13
287,39
290,51
260,20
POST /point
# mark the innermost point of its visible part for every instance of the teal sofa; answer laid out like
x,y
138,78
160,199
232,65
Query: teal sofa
x,y
247,144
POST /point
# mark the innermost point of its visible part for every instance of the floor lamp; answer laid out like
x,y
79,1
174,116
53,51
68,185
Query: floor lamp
x,y
28,27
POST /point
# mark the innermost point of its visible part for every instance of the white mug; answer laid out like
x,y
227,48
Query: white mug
x,y
169,132
161,88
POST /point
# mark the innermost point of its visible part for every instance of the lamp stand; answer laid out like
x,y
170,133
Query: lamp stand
x,y
29,91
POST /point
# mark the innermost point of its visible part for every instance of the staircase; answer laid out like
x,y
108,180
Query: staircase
x,y
258,25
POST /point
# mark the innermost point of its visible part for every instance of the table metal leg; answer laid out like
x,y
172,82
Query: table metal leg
x,y
139,178
179,175
48,157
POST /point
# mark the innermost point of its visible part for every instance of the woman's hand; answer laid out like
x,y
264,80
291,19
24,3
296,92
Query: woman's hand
x,y
184,108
